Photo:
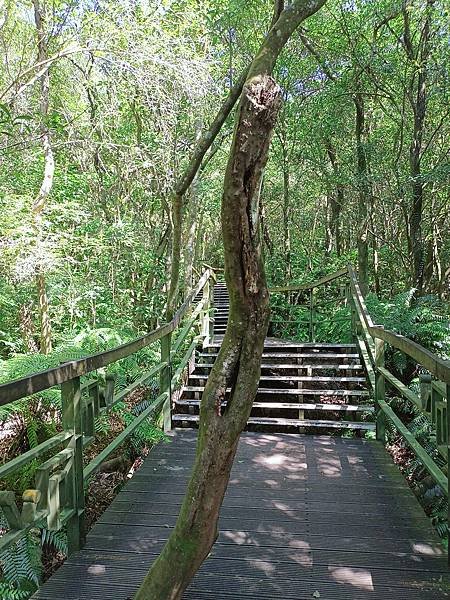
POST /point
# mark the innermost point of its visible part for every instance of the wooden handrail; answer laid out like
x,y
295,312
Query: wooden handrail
x,y
80,406
360,304
26,386
439,367
309,286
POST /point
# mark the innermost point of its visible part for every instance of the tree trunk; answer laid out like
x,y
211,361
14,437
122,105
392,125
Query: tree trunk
x,y
336,199
47,181
286,215
191,233
238,364
201,148
27,327
418,105
191,237
363,195
328,230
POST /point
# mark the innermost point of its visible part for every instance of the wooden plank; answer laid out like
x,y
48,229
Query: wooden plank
x,y
338,531
119,440
439,367
410,395
304,378
280,343
418,450
292,391
26,457
296,406
296,367
290,422
367,363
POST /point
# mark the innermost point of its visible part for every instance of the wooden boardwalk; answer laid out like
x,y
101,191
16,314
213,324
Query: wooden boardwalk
x,y
304,517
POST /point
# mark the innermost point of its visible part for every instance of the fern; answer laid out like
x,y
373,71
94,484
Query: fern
x,y
101,424
8,591
425,320
55,539
21,563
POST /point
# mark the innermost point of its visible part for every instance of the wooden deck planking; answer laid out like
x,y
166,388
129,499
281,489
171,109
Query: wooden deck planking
x,y
303,514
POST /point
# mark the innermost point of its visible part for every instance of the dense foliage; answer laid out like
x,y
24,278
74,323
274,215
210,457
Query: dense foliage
x,y
102,104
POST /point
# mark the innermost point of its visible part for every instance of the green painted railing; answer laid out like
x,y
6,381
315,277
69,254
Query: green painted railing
x,y
434,384
373,341
57,499
307,295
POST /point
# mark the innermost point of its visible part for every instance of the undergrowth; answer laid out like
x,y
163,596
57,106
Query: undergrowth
x,y
28,422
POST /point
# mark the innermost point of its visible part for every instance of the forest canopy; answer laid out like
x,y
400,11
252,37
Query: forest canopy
x,y
102,104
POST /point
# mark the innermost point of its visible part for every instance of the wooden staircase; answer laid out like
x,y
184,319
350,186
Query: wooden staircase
x,y
312,387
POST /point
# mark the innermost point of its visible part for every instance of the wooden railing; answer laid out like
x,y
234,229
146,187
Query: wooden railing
x,y
57,499
434,384
373,341
316,307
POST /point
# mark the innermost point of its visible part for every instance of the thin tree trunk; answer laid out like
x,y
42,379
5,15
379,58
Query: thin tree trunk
x,y
363,195
286,215
336,199
47,182
239,359
27,327
328,228
418,105
189,246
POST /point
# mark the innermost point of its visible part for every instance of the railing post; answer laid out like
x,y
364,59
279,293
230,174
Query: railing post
x,y
380,390
351,304
72,421
165,382
425,393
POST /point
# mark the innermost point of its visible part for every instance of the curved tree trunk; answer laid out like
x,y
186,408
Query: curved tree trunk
x,y
202,146
238,364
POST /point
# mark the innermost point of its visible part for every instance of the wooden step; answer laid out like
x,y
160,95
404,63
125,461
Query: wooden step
x,y
296,367
292,355
355,408
303,378
279,422
310,346
290,392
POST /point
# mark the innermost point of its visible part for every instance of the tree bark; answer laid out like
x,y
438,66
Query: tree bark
x,y
363,195
191,227
336,199
418,98
222,418
201,148
286,214
27,327
47,181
